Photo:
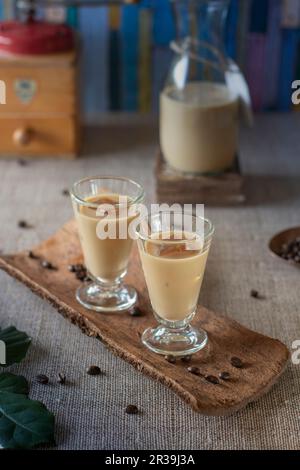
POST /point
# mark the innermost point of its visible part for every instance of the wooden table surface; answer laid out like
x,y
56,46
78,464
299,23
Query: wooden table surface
x,y
90,410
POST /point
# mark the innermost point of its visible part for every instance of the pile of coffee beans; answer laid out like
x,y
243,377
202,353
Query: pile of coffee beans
x,y
291,251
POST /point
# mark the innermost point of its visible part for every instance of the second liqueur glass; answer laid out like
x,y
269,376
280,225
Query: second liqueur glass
x,y
106,259
174,270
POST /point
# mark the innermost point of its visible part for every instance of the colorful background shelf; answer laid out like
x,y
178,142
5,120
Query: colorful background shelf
x,y
126,50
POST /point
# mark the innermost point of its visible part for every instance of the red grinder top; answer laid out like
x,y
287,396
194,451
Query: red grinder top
x,y
35,38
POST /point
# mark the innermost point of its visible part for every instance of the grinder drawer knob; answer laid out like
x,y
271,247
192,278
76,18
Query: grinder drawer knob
x,y
22,136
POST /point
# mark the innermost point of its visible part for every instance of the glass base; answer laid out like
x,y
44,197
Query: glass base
x,y
101,299
175,342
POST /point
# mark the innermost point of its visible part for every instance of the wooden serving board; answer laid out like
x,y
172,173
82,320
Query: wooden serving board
x,y
173,186
264,358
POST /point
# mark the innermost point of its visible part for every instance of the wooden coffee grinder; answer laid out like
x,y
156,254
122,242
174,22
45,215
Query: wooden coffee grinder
x,y
38,65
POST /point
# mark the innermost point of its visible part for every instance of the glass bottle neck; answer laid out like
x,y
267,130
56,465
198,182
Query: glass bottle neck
x,y
201,19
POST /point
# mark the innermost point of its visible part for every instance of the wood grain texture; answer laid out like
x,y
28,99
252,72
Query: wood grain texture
x,y
49,136
173,186
55,89
50,110
264,358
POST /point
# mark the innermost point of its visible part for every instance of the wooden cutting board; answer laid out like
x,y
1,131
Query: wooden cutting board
x,y
264,358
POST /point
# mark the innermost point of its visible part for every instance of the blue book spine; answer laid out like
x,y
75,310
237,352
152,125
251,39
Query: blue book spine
x,y
163,23
273,52
259,16
162,57
93,26
114,59
72,17
129,57
290,47
232,29
242,34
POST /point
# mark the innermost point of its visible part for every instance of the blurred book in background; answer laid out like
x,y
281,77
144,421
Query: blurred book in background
x,y
126,55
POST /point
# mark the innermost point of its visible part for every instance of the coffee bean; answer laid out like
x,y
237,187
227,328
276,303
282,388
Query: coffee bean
x,y
77,268
47,265
80,267
194,370
80,275
61,378
186,358
131,410
22,162
93,370
212,379
42,379
24,224
224,375
171,359
65,192
236,362
135,312
256,295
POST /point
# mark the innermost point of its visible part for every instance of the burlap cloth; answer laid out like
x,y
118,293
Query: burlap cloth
x,y
90,410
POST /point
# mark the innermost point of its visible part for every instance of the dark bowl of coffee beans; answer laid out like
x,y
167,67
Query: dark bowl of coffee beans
x,y
286,246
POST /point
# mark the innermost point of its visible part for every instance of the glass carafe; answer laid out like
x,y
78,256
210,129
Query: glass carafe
x,y
201,101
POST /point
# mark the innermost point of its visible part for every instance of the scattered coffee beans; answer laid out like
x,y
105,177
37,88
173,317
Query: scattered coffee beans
x,y
24,224
236,362
22,162
131,410
186,359
79,267
256,295
74,268
47,265
80,272
94,370
212,379
135,312
171,359
224,375
42,379
194,370
65,192
81,275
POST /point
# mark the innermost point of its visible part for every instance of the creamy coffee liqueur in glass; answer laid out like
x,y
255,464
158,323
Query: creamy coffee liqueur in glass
x,y
199,127
101,202
174,263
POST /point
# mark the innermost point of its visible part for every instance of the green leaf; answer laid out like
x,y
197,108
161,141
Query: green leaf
x,y
13,383
17,344
24,423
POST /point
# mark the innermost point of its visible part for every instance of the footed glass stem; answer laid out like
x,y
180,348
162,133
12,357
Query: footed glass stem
x,y
100,298
175,341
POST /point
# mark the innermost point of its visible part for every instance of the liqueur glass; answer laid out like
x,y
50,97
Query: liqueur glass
x,y
174,270
106,259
